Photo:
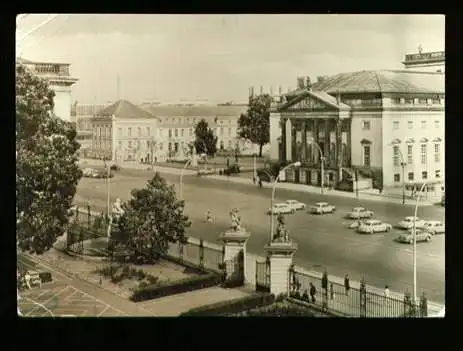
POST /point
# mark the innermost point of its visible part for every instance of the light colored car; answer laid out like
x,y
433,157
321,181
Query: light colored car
x,y
355,224
407,222
371,226
421,236
282,208
296,204
321,208
434,227
360,212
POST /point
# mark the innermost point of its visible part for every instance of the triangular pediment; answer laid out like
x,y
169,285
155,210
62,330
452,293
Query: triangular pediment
x,y
308,102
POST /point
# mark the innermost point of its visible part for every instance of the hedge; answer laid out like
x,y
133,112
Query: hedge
x,y
180,286
231,306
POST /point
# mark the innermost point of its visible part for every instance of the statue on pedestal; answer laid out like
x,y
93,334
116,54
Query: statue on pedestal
x,y
236,220
282,234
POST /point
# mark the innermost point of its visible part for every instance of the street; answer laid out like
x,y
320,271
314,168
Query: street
x,y
324,241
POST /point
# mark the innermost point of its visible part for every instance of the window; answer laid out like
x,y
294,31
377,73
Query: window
x,y
409,101
395,125
436,101
437,173
147,144
423,124
366,125
190,131
170,133
148,131
229,144
411,176
424,175
188,120
130,144
422,101
221,131
410,124
397,177
395,155
410,154
119,145
176,132
173,120
436,124
436,153
423,154
139,131
130,131
181,132
366,155
161,146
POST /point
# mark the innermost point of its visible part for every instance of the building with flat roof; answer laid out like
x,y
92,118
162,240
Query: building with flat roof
x,y
384,122
60,80
425,61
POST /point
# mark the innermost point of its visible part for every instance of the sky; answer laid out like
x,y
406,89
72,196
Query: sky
x,y
216,58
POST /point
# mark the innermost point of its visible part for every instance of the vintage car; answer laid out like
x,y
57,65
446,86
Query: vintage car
x,y
282,208
371,226
407,223
360,212
421,236
434,227
321,208
296,204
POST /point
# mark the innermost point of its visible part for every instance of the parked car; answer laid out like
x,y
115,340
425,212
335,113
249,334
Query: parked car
x,y
360,212
355,224
296,204
282,208
434,227
421,236
407,222
371,226
321,208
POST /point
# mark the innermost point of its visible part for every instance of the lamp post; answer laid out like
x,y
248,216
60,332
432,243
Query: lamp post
x,y
322,165
295,164
418,198
187,163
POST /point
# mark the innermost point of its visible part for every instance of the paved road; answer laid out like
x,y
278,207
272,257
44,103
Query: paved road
x,y
323,240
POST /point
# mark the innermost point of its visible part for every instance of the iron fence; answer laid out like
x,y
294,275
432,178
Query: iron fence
x,y
263,275
85,224
352,301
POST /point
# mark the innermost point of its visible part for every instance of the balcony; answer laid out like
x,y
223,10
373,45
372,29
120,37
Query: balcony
x,y
437,56
51,69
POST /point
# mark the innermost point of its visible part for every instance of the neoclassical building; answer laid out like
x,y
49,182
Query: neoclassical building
x,y
386,121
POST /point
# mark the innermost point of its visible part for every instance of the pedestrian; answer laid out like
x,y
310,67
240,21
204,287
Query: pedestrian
x,y
325,281
305,296
331,291
27,279
208,216
313,291
254,180
380,189
155,159
386,291
347,283
228,163
260,183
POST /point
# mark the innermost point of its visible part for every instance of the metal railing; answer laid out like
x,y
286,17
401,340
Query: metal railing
x,y
352,302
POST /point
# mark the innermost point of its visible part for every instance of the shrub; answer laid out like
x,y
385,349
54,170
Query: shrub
x,y
345,185
45,277
233,283
231,306
279,309
188,284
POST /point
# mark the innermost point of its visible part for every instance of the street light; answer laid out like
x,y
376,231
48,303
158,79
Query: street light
x,y
187,163
418,198
295,164
322,166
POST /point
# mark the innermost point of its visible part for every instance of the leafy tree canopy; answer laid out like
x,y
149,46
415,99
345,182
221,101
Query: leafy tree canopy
x,y
205,141
254,125
47,172
153,218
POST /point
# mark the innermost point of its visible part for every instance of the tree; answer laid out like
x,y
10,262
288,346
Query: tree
x,y
254,125
47,172
153,218
205,140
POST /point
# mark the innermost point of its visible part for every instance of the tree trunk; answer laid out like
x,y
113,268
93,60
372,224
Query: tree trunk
x,y
260,150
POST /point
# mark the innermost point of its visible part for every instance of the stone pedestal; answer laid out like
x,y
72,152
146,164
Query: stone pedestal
x,y
234,242
281,258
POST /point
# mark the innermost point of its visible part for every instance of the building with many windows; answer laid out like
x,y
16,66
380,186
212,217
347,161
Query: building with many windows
x,y
425,61
387,121
125,132
59,79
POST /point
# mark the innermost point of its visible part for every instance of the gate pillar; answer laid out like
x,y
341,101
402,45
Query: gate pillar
x,y
280,255
234,243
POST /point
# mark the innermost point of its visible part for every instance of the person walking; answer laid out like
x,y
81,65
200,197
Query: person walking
x,y
305,296
347,284
331,291
313,292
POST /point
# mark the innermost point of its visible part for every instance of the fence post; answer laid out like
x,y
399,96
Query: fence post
x,y
407,304
201,253
363,298
88,216
267,272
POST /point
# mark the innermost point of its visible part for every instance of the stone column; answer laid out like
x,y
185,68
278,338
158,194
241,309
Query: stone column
x,y
283,138
349,143
289,140
281,258
304,142
234,242
327,143
315,153
339,148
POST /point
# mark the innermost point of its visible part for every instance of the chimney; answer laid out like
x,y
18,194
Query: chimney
x,y
300,83
308,83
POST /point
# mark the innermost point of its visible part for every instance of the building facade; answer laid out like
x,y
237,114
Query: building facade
x,y
387,122
125,132
425,61
60,80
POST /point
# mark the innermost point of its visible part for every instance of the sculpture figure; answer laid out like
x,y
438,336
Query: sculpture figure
x,y
282,233
117,210
236,220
